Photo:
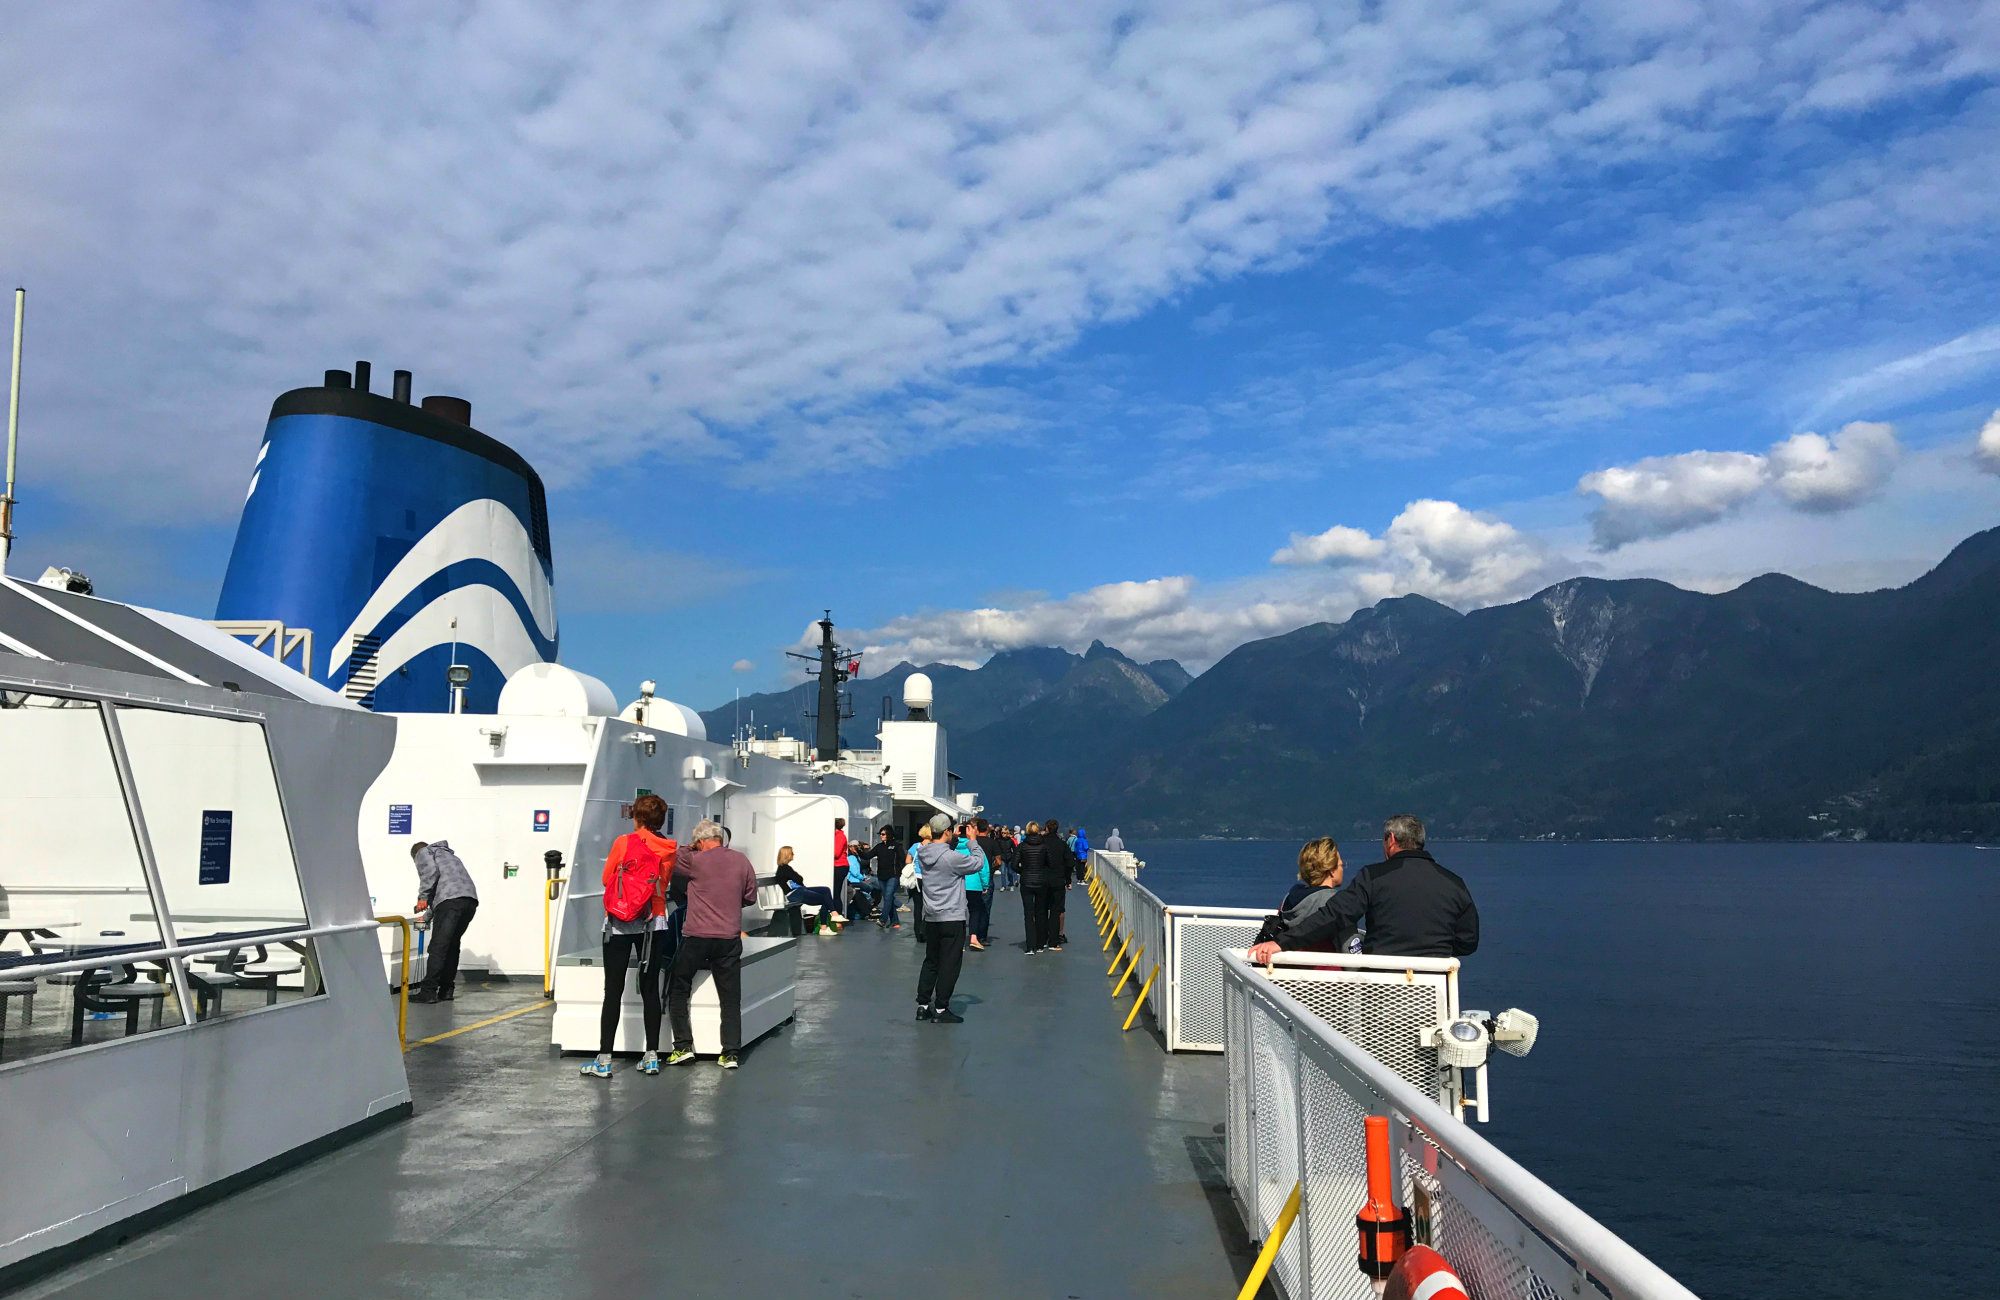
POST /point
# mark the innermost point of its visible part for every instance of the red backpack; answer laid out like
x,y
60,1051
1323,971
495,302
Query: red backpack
x,y
637,880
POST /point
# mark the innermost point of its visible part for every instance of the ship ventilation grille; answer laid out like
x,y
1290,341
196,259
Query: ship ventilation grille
x,y
909,783
361,671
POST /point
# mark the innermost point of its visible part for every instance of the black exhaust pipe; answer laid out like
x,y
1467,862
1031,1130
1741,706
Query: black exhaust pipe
x,y
339,379
362,372
402,382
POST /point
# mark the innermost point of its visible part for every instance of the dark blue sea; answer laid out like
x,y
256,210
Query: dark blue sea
x,y
1771,1067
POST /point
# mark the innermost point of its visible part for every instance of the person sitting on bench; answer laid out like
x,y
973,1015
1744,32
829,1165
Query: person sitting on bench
x,y
798,892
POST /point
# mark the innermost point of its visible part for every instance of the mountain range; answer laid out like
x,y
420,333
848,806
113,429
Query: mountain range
x,y
1593,709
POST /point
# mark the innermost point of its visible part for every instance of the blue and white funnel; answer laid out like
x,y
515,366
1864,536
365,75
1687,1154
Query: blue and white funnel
x,y
402,537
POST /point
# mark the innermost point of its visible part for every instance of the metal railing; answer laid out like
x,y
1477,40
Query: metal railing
x,y
1299,1092
1186,1002
172,958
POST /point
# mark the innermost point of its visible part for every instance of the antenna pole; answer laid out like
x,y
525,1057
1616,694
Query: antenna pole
x,y
13,433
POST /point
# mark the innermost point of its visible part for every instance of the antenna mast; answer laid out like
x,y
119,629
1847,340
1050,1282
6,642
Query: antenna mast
x,y
13,433
832,665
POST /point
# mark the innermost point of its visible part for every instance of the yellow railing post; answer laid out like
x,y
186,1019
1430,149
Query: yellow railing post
x,y
1272,1244
1116,959
1120,986
548,951
1140,1001
403,986
1117,924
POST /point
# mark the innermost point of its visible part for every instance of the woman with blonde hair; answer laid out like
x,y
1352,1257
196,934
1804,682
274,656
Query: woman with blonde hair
x,y
1320,873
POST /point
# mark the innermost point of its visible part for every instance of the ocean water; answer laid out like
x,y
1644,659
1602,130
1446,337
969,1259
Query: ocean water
x,y
1770,1067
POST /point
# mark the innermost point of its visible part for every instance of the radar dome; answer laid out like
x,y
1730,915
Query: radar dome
x,y
917,691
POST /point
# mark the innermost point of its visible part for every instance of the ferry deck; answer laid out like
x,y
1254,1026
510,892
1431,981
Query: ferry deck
x,y
1035,1150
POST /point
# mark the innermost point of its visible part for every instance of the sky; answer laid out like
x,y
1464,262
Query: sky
x,y
987,326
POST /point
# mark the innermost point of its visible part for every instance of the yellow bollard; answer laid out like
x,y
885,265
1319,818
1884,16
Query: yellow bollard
x,y
1140,1001
1115,960
1272,1244
1128,971
403,990
548,951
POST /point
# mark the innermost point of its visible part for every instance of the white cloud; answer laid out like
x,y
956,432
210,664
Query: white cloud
x,y
1987,450
1827,475
1917,373
709,232
1337,545
1666,494
1458,556
1437,548
1662,495
743,666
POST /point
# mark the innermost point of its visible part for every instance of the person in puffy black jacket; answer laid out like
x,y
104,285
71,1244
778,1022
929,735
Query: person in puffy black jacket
x,y
1043,875
1412,907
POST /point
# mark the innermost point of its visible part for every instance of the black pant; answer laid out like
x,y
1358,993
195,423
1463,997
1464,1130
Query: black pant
x,y
917,909
618,955
839,888
979,910
1038,906
448,922
722,959
944,953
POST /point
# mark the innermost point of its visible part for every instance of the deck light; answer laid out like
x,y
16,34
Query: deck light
x,y
1462,1044
1514,1031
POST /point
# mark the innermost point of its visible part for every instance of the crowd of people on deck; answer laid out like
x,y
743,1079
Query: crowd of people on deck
x,y
671,915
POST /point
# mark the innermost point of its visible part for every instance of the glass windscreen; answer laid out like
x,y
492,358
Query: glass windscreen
x,y
72,886
217,826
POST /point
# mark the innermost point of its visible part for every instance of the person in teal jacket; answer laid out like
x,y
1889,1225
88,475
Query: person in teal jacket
x,y
978,888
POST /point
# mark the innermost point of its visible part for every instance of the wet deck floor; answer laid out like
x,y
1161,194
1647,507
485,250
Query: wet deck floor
x,y
1031,1151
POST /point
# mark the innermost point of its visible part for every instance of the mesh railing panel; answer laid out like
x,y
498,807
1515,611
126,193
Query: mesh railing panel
x,y
1337,1175
1275,1144
1322,1094
1382,1016
1196,1017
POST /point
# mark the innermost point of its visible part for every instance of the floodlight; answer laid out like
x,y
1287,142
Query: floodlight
x,y
458,674
1462,1043
1514,1031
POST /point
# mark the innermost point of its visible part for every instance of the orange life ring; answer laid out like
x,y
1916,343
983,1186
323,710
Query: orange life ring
x,y
1422,1274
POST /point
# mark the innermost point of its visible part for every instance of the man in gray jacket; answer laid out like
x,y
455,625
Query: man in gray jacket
x,y
445,891
945,870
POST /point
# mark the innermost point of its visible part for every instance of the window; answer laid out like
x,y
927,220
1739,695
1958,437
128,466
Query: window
x,y
213,814
72,886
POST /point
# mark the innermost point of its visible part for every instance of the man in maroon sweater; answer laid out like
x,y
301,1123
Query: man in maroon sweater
x,y
720,884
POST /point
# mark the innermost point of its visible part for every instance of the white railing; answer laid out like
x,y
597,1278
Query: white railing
x,y
1183,942
1299,1091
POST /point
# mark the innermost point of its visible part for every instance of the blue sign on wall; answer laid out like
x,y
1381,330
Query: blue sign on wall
x,y
218,830
399,819
541,819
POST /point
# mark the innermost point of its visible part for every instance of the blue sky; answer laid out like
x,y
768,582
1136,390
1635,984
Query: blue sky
x,y
1172,325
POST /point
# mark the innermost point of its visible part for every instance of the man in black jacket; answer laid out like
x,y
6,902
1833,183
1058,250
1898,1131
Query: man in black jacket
x,y
1043,873
1412,906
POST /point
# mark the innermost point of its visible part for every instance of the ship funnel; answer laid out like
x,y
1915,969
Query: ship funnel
x,y
339,379
363,373
402,382
456,409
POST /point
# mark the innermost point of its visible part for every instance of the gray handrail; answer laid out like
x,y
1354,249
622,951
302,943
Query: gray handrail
x,y
165,952
1597,1249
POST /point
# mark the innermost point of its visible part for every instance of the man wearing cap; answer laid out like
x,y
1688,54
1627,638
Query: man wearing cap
x,y
945,914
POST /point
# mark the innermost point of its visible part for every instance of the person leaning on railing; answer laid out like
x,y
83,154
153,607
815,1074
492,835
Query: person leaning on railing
x,y
1411,906
1320,874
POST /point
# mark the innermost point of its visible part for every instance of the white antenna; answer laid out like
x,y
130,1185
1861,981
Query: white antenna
x,y
13,433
